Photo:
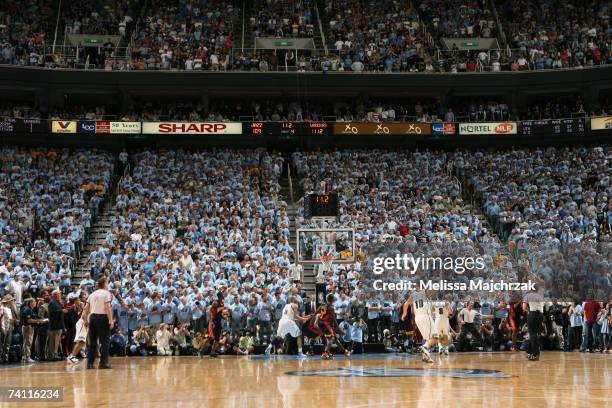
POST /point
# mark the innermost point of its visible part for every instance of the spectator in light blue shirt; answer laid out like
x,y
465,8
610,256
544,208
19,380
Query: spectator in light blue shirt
x,y
238,311
264,316
169,309
155,310
358,328
183,312
142,315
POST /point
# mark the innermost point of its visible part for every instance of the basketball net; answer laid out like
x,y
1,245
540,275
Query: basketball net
x,y
326,262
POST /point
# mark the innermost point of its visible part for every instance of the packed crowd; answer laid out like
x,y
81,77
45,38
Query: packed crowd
x,y
104,17
177,238
48,200
545,194
193,35
387,36
23,32
550,34
553,206
400,198
188,228
458,19
283,18
363,36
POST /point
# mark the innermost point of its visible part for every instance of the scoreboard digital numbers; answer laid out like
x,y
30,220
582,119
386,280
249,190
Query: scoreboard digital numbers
x,y
290,130
321,205
553,126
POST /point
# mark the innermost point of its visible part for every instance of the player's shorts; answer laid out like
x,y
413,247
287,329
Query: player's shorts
x,y
214,331
326,328
426,326
442,326
81,332
405,327
310,330
288,326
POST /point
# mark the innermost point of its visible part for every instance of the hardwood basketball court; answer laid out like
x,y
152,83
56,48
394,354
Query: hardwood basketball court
x,y
469,379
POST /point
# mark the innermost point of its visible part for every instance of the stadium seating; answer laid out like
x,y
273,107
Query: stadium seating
x,y
49,200
283,18
381,35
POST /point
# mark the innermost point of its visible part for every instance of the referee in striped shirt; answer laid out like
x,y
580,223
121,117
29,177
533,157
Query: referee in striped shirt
x,y
98,318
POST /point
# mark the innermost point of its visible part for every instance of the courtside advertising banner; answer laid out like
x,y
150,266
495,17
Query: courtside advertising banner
x,y
443,128
64,126
87,126
488,128
105,127
397,129
192,128
603,123
125,127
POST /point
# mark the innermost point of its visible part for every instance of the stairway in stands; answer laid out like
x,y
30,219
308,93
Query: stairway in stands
x,y
249,39
97,235
319,28
324,19
292,213
97,232
477,208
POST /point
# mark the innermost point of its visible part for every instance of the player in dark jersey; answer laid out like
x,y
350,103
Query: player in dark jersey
x,y
406,325
516,320
311,330
328,325
214,325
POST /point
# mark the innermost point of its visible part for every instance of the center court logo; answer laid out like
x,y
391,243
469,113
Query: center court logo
x,y
465,373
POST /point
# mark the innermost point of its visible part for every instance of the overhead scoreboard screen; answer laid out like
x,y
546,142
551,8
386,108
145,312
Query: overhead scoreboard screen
x,y
553,126
321,205
288,130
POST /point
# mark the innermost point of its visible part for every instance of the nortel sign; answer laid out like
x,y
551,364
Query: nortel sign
x,y
488,128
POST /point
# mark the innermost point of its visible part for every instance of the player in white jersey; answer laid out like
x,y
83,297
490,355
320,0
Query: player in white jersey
x,y
288,325
423,317
442,311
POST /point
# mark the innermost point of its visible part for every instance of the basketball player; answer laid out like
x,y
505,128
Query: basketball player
x,y
423,317
329,327
443,310
516,321
80,338
405,326
288,326
214,325
311,330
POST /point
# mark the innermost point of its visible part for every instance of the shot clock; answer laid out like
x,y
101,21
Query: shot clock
x,y
321,205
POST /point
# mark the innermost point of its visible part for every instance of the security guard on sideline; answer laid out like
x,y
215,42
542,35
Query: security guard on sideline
x,y
98,318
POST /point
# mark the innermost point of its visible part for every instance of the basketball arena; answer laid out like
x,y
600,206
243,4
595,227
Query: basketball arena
x,y
296,203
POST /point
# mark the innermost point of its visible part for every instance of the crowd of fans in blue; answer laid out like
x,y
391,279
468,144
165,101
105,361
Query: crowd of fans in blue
x,y
189,227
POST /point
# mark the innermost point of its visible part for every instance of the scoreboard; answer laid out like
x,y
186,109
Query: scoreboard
x,y
553,126
289,130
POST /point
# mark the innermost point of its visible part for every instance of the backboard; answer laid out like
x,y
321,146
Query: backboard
x,y
313,243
